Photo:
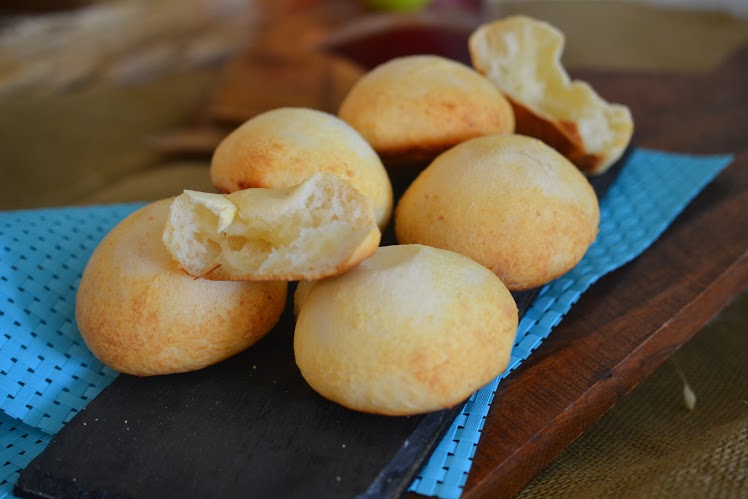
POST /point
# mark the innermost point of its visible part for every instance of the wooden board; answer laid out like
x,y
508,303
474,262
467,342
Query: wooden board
x,y
619,332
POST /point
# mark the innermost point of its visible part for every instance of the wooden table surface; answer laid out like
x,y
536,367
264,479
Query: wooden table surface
x,y
629,322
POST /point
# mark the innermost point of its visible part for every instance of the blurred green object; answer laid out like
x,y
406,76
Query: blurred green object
x,y
397,5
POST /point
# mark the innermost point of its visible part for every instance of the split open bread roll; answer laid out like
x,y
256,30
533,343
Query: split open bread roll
x,y
282,147
320,227
522,56
140,314
412,329
412,108
509,202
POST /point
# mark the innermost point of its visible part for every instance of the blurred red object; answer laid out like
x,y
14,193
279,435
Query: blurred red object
x,y
473,5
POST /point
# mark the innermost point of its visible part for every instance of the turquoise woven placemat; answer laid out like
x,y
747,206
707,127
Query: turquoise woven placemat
x,y
47,375
46,372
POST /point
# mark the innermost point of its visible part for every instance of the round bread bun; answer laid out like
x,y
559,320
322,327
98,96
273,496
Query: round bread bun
x,y
299,295
140,314
282,147
413,329
412,108
509,202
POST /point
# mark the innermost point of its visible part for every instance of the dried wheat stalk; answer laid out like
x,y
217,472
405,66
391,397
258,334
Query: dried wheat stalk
x,y
123,40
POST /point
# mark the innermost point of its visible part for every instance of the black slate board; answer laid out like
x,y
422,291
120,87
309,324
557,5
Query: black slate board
x,y
247,427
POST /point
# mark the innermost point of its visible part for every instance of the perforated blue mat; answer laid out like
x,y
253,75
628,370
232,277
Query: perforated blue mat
x,y
47,374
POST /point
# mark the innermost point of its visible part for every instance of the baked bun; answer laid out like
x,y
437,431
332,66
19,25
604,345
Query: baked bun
x,y
299,295
140,314
509,202
412,329
282,147
522,56
320,227
412,108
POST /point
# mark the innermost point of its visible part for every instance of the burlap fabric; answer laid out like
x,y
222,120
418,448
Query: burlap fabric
x,y
652,445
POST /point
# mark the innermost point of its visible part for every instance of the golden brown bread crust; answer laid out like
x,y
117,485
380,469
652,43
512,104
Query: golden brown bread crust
x,y
412,329
282,147
412,108
140,314
562,135
522,57
509,202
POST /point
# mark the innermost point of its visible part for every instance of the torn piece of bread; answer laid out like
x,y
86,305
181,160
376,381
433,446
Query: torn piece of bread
x,y
320,227
282,147
522,56
412,108
140,314
412,329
